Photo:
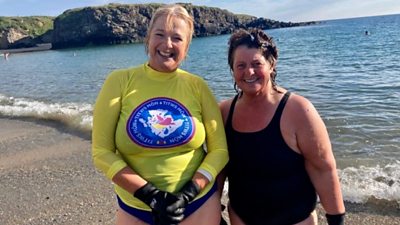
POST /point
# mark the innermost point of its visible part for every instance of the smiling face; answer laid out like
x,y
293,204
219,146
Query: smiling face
x,y
168,43
251,70
252,57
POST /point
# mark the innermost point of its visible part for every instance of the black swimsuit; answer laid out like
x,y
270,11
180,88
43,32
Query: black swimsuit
x,y
268,183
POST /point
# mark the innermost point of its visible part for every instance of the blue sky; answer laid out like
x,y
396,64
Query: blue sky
x,y
282,10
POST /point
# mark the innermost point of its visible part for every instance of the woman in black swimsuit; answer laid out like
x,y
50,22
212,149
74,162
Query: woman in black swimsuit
x,y
280,153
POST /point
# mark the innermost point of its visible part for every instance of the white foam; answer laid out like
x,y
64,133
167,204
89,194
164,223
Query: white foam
x,y
381,182
76,114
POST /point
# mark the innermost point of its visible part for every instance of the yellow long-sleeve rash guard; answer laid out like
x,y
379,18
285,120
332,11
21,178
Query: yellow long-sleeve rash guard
x,y
156,123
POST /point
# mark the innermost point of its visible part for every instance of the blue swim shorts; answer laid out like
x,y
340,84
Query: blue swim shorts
x,y
146,216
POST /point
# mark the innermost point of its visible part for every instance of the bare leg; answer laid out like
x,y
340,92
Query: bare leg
x,y
234,218
208,214
311,220
124,218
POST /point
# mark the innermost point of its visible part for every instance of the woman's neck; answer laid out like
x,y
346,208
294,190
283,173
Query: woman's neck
x,y
266,97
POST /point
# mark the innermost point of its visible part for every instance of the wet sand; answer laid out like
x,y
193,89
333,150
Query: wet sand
x,y
47,177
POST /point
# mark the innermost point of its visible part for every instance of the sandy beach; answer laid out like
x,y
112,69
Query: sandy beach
x,y
47,177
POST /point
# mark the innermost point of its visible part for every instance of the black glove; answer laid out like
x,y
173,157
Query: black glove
x,y
159,202
335,219
189,191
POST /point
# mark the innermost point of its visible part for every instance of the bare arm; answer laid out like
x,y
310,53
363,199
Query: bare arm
x,y
224,107
313,142
128,180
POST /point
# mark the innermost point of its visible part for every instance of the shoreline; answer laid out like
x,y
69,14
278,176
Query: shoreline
x,y
47,172
38,47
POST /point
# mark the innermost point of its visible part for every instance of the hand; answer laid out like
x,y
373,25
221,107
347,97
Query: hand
x,y
189,191
160,202
335,219
165,214
187,194
176,205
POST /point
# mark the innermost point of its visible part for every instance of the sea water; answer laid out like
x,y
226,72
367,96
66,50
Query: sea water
x,y
349,69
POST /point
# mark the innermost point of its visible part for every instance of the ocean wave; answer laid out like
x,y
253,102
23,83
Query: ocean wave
x,y
364,184
76,115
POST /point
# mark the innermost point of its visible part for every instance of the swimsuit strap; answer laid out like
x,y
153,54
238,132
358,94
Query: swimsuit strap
x,y
231,109
281,105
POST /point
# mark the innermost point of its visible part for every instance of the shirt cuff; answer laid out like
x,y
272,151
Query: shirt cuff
x,y
206,174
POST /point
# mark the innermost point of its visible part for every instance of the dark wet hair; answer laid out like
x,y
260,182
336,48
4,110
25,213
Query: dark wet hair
x,y
254,38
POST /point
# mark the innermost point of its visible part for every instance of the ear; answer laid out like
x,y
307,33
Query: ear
x,y
273,64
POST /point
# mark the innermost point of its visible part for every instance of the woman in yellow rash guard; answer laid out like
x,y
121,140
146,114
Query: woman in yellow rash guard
x,y
150,126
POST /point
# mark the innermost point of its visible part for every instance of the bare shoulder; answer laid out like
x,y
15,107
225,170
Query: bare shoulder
x,y
301,116
225,103
307,125
300,107
224,106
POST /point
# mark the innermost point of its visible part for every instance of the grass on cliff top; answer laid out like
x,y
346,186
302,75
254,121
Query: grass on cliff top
x,y
108,6
31,25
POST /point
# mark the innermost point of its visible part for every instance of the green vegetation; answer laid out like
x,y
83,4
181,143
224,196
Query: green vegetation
x,y
31,25
110,6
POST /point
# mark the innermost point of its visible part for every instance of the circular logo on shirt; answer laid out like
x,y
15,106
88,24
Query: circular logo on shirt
x,y
160,123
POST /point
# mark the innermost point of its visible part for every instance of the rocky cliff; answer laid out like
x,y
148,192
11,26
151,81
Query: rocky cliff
x,y
17,32
111,24
123,23
120,23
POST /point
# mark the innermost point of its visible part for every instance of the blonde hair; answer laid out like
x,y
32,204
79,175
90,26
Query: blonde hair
x,y
170,11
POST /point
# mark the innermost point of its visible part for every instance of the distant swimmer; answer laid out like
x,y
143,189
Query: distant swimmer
x,y
6,54
366,32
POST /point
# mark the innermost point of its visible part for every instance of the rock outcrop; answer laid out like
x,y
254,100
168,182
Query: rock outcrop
x,y
121,23
23,32
10,36
14,38
112,24
127,23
